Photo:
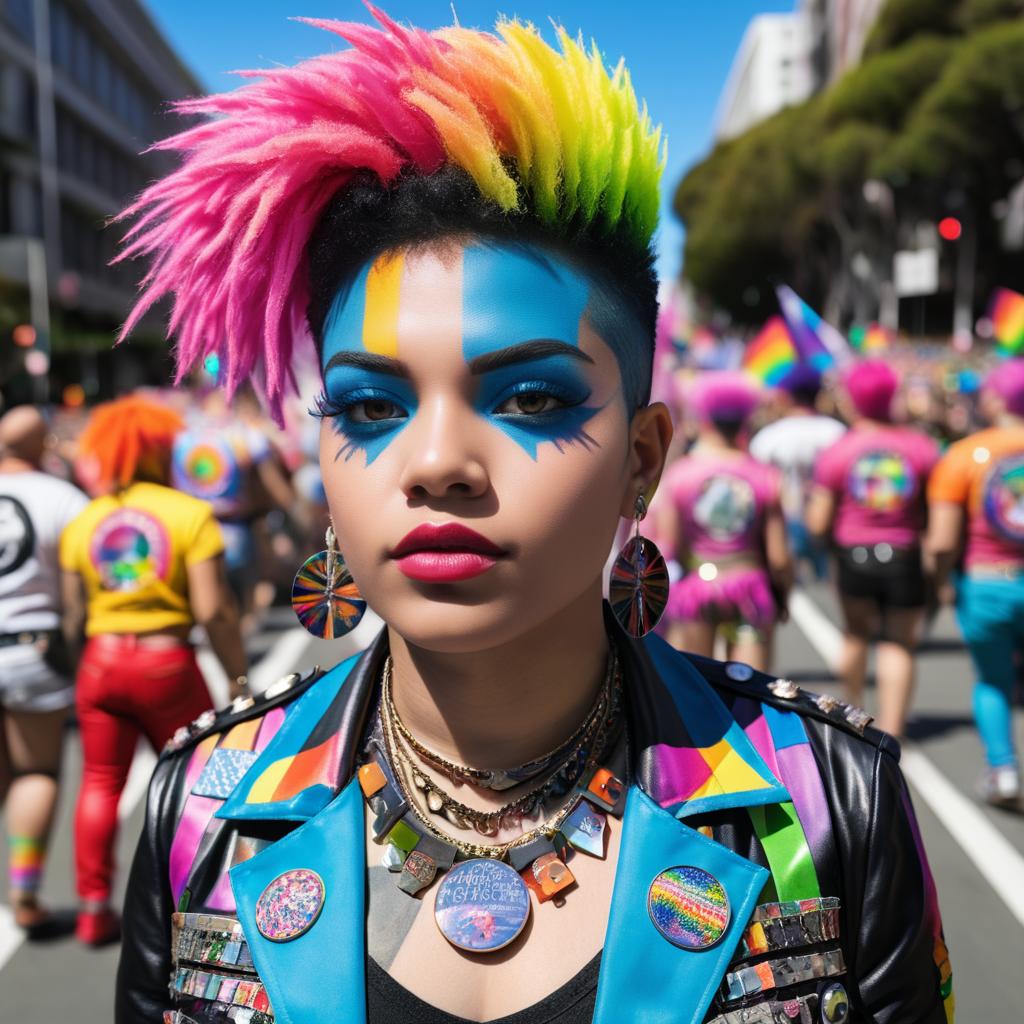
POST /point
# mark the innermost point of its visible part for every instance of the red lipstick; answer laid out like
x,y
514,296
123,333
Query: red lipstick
x,y
445,553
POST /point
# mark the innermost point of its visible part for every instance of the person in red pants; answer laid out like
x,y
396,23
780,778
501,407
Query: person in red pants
x,y
140,565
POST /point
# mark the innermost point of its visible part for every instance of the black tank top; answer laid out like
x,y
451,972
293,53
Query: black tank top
x,y
387,1002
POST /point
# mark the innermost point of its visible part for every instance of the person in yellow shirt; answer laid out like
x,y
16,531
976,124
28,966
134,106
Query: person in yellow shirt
x,y
141,564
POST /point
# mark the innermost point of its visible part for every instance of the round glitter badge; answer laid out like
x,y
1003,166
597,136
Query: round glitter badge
x,y
689,907
482,905
290,905
327,608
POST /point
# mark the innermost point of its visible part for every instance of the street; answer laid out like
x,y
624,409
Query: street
x,y
983,907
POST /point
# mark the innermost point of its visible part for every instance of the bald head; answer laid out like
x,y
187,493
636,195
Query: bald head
x,y
23,434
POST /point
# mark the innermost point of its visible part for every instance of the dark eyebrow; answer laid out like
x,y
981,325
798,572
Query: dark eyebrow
x,y
523,353
367,361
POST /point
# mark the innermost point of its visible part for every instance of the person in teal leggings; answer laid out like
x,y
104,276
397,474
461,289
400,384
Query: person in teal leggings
x,y
976,516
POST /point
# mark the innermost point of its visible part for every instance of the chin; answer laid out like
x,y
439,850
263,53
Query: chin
x,y
467,619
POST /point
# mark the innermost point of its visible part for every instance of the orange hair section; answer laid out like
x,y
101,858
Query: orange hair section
x,y
123,436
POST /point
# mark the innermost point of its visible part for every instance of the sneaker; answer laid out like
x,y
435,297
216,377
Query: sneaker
x,y
98,927
1000,786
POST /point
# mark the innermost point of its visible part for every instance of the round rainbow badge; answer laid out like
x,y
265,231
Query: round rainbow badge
x,y
689,906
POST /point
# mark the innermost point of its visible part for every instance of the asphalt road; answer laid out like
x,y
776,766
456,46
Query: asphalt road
x,y
60,982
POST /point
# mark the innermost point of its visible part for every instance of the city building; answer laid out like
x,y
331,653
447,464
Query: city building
x,y
838,31
84,87
771,71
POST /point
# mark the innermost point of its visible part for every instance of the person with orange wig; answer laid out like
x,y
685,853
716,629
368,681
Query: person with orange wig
x,y
140,565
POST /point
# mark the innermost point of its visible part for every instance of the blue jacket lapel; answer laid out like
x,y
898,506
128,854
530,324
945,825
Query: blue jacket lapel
x,y
645,978
322,974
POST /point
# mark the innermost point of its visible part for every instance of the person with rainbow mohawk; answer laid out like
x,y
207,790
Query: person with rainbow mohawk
x,y
460,222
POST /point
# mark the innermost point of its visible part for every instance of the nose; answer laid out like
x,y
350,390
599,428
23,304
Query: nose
x,y
443,461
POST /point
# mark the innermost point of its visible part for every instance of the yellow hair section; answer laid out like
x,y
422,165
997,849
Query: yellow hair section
x,y
551,130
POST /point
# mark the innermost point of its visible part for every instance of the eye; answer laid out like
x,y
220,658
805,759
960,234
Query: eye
x,y
374,410
529,403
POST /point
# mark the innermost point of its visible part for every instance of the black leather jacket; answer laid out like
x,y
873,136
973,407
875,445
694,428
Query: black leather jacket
x,y
883,947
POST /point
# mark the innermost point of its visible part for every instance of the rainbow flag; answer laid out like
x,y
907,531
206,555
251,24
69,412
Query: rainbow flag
x,y
817,342
873,338
1006,311
772,354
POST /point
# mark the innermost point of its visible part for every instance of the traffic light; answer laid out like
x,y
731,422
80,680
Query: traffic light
x,y
24,335
950,228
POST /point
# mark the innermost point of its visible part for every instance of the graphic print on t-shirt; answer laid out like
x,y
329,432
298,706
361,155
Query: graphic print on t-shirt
x,y
129,548
206,466
725,507
883,481
17,538
1003,501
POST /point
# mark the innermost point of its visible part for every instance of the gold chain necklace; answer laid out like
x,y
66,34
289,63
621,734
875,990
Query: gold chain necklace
x,y
489,823
504,778
497,851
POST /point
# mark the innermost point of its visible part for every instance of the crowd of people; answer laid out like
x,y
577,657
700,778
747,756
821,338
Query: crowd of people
x,y
903,516
159,516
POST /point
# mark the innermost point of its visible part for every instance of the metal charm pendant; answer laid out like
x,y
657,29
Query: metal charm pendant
x,y
689,906
638,587
481,905
325,598
584,829
289,906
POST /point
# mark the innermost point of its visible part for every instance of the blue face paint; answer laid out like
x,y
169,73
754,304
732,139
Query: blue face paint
x,y
556,376
514,295
367,410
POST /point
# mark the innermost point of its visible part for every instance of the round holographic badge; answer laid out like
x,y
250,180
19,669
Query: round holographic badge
x,y
1003,499
290,905
482,905
328,609
689,907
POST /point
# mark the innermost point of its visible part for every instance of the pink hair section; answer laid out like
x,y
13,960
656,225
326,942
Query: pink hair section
x,y
723,394
1007,381
872,385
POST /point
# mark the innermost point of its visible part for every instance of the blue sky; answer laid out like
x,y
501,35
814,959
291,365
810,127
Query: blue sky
x,y
679,52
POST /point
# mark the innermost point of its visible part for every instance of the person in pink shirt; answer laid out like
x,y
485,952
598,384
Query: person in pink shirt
x,y
869,499
723,523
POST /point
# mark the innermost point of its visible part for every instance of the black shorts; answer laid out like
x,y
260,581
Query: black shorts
x,y
891,577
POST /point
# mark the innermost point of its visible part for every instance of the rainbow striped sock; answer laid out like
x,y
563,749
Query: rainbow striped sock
x,y
25,862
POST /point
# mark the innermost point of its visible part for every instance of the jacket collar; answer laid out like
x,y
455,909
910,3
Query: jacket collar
x,y
691,756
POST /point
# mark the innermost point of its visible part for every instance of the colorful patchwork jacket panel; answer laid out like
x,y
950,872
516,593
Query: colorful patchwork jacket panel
x,y
790,802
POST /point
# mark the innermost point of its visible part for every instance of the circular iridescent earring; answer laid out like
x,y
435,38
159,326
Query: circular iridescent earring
x,y
325,598
638,585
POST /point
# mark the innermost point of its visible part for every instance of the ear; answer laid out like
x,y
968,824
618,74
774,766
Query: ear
x,y
650,434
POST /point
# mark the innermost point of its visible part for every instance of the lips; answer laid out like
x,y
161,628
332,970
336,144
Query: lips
x,y
445,553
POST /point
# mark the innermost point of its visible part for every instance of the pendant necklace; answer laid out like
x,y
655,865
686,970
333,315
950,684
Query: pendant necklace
x,y
483,900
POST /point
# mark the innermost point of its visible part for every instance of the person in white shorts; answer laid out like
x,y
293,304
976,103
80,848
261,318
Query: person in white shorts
x,y
36,688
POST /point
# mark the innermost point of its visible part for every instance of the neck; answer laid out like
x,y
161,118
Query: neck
x,y
502,707
13,464
1010,421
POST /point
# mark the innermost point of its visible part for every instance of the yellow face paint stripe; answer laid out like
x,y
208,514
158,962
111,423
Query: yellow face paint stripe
x,y
380,319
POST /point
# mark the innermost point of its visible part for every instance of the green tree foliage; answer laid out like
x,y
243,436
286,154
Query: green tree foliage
x,y
938,102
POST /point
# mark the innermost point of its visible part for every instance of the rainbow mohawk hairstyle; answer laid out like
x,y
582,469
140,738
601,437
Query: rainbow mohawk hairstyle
x,y
548,133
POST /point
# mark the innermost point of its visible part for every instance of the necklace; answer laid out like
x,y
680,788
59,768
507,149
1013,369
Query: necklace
x,y
488,823
503,778
483,901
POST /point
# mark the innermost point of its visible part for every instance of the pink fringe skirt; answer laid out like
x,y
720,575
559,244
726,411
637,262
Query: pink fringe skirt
x,y
743,595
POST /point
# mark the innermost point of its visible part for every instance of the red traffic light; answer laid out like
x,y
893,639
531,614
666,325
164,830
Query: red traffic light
x,y
950,228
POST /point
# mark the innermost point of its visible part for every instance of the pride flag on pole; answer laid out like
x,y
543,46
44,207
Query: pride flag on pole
x,y
1006,311
817,342
772,354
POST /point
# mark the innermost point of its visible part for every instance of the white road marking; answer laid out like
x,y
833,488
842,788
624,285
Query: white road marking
x,y
996,859
11,936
